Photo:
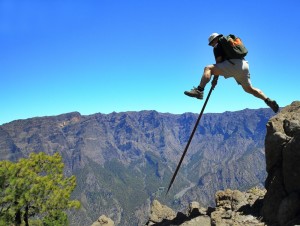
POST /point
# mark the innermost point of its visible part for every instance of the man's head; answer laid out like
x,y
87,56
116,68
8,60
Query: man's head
x,y
213,39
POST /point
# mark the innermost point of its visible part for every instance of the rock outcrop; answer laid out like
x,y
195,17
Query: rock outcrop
x,y
277,205
103,221
161,212
282,147
232,208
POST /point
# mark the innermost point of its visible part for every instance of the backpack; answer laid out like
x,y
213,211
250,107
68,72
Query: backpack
x,y
233,47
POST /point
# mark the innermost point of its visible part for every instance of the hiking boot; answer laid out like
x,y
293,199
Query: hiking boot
x,y
272,104
194,93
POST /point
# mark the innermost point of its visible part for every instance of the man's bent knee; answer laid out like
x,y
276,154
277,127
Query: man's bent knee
x,y
208,67
248,89
213,69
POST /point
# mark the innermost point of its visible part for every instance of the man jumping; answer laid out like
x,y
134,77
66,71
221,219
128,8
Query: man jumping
x,y
236,68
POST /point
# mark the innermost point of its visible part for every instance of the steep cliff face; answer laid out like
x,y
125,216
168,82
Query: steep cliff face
x,y
282,146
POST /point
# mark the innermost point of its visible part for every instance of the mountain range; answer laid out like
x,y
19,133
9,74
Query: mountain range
x,y
123,161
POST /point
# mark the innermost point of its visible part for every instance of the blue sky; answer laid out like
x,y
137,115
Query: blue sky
x,y
59,56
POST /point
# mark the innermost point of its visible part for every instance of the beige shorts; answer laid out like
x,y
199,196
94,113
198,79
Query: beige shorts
x,y
239,70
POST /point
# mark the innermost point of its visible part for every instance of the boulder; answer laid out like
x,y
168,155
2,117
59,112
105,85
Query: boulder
x,y
234,207
103,221
160,212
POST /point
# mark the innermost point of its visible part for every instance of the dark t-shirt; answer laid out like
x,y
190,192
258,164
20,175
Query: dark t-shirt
x,y
218,51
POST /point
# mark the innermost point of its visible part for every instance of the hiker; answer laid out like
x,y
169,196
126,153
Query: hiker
x,y
228,67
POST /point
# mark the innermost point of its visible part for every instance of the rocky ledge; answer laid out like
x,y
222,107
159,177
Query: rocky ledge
x,y
232,208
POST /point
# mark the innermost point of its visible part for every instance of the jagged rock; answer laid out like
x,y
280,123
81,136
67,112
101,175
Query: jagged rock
x,y
234,207
103,221
282,147
162,215
160,212
195,209
231,200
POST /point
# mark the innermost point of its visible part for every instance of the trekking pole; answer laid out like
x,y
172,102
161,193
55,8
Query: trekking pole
x,y
191,136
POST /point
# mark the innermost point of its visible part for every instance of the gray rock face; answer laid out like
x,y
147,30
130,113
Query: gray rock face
x,y
282,147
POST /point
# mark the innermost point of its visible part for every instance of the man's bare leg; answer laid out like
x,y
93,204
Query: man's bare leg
x,y
208,72
254,91
259,94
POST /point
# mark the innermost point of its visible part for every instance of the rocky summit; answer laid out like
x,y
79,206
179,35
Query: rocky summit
x,y
276,205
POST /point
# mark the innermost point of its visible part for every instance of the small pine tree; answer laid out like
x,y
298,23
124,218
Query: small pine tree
x,y
34,186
